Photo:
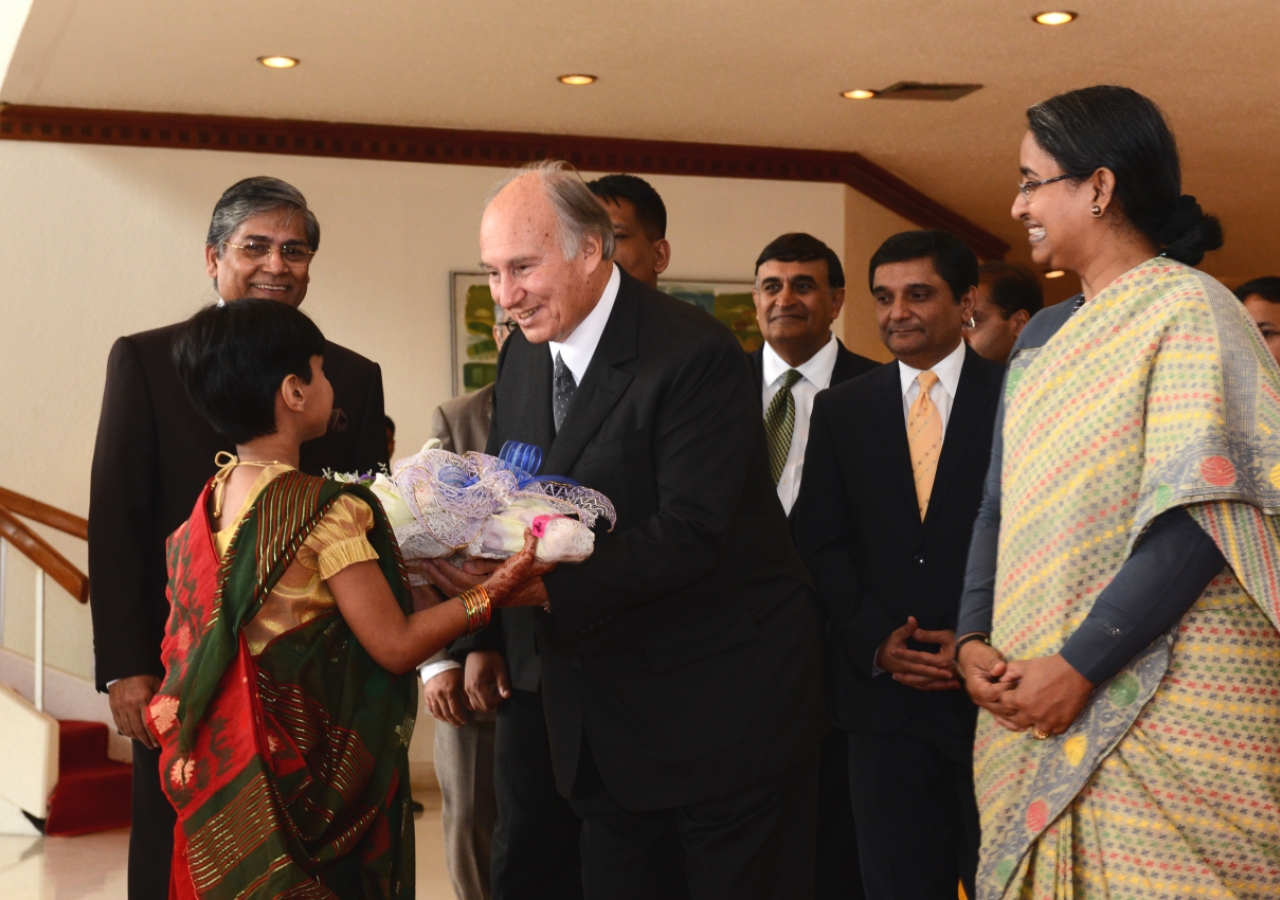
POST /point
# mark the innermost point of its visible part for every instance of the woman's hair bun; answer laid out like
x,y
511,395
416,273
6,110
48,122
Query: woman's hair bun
x,y
1190,234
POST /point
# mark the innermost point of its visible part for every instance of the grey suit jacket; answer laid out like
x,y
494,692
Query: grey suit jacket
x,y
462,424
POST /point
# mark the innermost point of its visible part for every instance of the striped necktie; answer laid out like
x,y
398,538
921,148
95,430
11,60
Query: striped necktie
x,y
924,437
780,423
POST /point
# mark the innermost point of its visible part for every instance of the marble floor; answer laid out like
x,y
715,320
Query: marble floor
x,y
92,867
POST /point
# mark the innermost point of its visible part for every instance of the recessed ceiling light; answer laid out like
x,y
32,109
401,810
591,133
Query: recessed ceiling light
x,y
578,79
278,62
1054,273
858,94
1054,17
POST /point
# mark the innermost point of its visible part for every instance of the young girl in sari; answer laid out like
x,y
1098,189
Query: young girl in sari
x,y
289,696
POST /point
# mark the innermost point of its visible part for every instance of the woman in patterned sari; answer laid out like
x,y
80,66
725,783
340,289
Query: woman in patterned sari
x,y
1119,625
289,696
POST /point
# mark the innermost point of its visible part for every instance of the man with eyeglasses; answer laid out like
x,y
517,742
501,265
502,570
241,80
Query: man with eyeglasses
x,y
153,455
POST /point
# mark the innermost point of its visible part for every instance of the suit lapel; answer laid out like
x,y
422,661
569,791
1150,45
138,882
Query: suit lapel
x,y
602,385
966,413
894,433
522,409
843,369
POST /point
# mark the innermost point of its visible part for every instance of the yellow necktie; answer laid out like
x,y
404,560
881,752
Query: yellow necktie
x,y
924,437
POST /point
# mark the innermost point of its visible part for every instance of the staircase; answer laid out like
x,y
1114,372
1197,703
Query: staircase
x,y
93,793
56,776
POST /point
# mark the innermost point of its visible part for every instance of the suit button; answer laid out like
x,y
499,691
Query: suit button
x,y
577,662
919,560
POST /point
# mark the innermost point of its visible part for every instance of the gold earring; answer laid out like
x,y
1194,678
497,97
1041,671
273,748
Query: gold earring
x,y
1097,212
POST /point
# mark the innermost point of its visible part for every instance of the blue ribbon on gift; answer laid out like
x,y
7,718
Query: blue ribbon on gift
x,y
524,460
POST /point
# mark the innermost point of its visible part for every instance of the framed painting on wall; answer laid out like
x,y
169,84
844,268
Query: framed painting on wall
x,y
728,301
475,353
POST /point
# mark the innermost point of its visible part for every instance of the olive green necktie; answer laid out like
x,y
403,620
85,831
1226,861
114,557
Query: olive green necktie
x,y
780,423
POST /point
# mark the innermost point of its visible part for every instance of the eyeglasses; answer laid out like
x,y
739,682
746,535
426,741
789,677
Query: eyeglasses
x,y
1026,187
511,325
292,254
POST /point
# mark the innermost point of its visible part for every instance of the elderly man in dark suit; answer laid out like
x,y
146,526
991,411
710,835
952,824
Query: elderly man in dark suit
x,y
798,295
682,663
153,455
892,482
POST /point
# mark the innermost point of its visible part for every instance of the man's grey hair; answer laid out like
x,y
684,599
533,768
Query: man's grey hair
x,y
253,197
578,211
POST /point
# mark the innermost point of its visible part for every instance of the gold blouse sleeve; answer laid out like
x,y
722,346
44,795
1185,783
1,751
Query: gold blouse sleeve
x,y
340,538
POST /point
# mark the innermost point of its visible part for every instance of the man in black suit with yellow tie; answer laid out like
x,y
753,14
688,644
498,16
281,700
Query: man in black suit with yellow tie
x,y
682,663
892,483
799,293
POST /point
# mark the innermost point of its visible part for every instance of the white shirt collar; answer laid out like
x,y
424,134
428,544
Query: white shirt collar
x,y
578,348
947,370
816,370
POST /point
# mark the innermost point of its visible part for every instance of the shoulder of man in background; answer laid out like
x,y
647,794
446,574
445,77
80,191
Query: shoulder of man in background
x,y
462,424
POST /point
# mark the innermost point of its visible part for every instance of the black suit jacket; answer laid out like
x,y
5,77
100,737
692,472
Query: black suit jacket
x,y
859,530
688,648
153,455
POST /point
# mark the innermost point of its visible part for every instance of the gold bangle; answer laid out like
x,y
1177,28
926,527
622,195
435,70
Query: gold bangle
x,y
478,607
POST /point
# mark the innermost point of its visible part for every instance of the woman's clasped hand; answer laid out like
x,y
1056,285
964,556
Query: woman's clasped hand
x,y
1045,693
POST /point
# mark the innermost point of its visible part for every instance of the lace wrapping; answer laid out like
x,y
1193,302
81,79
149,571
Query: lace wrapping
x,y
480,506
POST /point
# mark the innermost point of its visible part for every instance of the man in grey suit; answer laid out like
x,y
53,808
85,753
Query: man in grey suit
x,y
464,733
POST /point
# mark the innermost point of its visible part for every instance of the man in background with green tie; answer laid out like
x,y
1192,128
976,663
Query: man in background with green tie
x,y
893,477
798,295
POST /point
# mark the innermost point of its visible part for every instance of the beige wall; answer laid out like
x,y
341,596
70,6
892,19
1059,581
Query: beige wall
x,y
866,225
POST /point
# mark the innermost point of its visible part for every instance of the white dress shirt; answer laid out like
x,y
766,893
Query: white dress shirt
x,y
943,392
580,346
441,662
816,376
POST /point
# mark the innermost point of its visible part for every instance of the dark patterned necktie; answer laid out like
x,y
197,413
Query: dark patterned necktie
x,y
563,389
780,423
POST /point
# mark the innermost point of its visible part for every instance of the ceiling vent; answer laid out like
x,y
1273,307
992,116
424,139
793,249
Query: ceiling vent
x,y
918,90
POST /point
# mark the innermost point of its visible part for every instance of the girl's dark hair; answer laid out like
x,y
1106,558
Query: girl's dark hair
x,y
1117,128
232,359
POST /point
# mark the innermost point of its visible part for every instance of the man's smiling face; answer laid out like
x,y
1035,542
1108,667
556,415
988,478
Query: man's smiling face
x,y
239,276
795,306
529,277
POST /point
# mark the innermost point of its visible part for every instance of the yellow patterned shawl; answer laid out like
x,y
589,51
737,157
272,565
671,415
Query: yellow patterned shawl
x,y
1159,393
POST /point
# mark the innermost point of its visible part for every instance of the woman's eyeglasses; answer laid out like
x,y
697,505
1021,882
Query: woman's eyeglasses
x,y
1026,187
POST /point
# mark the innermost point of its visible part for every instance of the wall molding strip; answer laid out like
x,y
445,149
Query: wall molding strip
x,y
489,148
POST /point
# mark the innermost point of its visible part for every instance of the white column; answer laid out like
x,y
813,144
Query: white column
x,y
38,693
4,558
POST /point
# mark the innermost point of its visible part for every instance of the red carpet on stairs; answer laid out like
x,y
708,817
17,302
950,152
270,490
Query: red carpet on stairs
x,y
93,792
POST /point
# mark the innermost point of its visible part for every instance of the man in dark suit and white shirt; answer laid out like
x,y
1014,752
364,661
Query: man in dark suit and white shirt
x,y
892,483
153,455
798,295
681,663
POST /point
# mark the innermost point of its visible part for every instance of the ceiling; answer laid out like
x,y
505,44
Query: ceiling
x,y
721,71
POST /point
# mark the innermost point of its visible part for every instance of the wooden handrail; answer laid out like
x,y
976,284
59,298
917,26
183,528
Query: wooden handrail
x,y
38,550
44,514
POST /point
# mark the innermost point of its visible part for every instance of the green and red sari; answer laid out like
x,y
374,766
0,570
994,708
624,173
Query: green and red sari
x,y
289,769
